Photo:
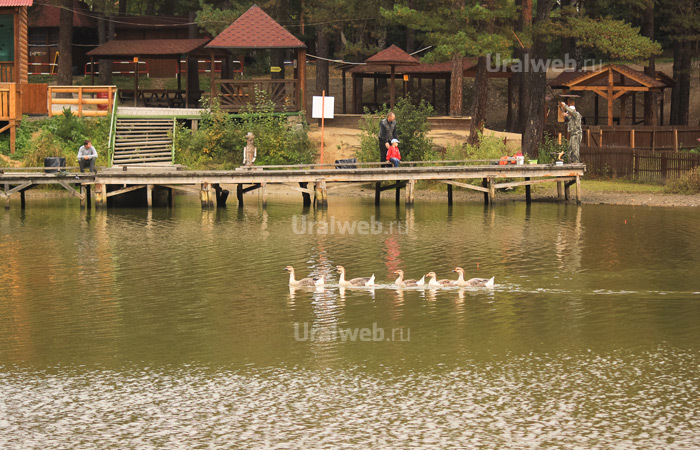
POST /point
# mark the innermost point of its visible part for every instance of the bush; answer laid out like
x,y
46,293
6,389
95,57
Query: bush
x,y
489,147
688,183
412,130
220,139
550,147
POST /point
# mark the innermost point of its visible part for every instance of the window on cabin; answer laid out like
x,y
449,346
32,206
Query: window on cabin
x,y
7,37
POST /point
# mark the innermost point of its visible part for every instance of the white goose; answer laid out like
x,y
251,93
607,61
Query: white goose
x,y
433,282
407,283
304,281
355,281
473,282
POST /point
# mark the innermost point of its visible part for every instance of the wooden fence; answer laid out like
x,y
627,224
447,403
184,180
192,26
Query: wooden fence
x,y
660,138
83,101
641,165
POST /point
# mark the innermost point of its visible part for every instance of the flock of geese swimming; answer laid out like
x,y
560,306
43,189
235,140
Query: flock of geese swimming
x,y
432,282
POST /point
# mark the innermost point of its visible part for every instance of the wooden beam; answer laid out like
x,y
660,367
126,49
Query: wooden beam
x,y
19,188
125,190
465,185
610,97
529,182
180,187
70,189
299,189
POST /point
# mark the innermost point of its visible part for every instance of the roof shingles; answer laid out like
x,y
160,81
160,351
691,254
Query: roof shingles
x,y
255,29
148,47
392,55
11,3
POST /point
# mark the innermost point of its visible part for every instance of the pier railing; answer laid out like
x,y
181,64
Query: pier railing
x,y
84,101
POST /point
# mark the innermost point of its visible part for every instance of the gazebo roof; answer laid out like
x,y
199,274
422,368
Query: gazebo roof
x,y
599,78
165,48
10,3
392,55
255,29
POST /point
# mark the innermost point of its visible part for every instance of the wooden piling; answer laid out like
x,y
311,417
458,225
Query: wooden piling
x,y
206,196
492,190
578,190
449,194
7,196
567,190
398,193
88,196
221,195
410,192
528,196
149,195
100,195
83,199
377,193
263,194
239,195
171,197
559,190
305,195
485,184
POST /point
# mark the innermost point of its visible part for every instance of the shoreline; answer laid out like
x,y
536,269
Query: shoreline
x,y
542,194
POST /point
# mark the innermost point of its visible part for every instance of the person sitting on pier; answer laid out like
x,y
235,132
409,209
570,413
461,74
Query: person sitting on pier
x,y
87,156
393,155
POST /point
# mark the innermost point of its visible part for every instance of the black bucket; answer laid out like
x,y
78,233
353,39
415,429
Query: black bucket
x,y
54,161
346,163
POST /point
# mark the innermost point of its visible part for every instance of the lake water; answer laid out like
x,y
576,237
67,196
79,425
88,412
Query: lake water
x,y
176,329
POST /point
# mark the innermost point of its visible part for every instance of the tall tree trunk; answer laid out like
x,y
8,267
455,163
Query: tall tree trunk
x,y
122,7
65,44
322,48
525,23
680,98
650,98
104,35
456,76
192,64
536,83
481,87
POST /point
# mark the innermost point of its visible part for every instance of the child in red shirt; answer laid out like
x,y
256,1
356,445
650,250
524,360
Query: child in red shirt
x,y
393,155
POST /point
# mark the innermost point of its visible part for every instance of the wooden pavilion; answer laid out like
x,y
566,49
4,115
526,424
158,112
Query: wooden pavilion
x,y
255,30
613,82
13,63
157,49
392,56
411,74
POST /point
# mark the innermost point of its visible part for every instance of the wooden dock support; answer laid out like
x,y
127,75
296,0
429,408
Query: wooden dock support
x,y
207,196
377,193
171,197
305,195
449,195
239,195
100,195
559,190
528,192
7,196
485,185
221,195
149,195
578,190
492,190
567,190
398,194
321,195
263,194
410,192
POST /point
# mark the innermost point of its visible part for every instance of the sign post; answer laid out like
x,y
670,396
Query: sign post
x,y
323,109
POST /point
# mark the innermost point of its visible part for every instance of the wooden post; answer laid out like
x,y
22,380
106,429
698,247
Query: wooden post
x,y
492,190
212,79
578,190
398,193
305,195
149,195
22,199
610,97
239,195
136,81
100,195
410,192
567,191
588,137
324,194
171,197
623,110
88,196
263,193
675,139
449,194
632,138
83,200
301,63
221,195
377,193
485,184
528,194
320,195
634,108
661,108
597,114
345,94
204,195
653,139
559,190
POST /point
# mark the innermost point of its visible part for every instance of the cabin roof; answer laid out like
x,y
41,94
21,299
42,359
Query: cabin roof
x,y
148,47
633,78
10,3
392,55
255,29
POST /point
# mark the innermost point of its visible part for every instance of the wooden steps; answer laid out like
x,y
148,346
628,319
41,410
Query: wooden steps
x,y
141,141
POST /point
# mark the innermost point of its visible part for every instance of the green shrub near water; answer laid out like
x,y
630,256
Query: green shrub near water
x,y
412,130
220,139
59,136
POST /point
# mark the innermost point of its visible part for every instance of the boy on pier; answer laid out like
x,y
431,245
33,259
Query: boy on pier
x,y
393,155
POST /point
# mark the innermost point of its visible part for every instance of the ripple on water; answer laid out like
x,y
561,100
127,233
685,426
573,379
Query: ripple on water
x,y
620,400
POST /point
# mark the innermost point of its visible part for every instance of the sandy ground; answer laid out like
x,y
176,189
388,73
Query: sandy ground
x,y
342,143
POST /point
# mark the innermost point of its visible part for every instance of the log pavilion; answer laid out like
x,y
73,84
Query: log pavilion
x,y
255,30
614,82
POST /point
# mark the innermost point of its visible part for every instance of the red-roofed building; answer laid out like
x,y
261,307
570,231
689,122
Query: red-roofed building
x,y
13,63
255,30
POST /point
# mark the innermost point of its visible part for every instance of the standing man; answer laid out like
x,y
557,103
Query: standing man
x,y
573,126
87,156
387,132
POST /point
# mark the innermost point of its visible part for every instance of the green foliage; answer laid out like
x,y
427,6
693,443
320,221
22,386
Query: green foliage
x,y
412,129
688,183
615,38
489,147
60,135
220,139
214,20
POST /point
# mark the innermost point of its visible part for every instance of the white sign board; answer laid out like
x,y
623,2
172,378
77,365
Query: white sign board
x,y
327,103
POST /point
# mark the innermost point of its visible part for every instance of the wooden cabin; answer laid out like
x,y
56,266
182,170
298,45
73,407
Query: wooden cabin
x,y
13,63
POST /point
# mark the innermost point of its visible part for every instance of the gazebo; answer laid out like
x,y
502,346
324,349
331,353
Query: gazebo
x,y
255,30
419,73
150,48
614,82
392,56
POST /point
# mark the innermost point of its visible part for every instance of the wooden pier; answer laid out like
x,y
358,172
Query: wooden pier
x,y
313,182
